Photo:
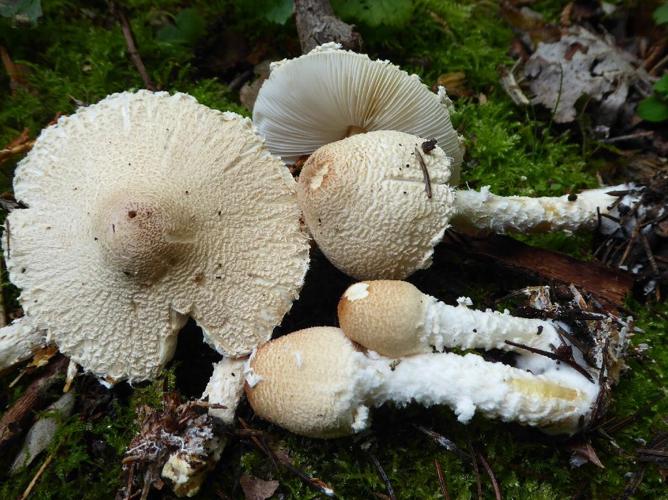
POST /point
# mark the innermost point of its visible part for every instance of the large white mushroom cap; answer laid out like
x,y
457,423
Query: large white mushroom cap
x,y
329,94
144,209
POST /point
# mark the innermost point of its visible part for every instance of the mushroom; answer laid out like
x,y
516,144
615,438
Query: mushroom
x,y
315,382
378,203
395,319
329,94
144,209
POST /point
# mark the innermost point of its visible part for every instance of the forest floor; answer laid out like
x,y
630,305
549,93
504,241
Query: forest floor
x,y
76,54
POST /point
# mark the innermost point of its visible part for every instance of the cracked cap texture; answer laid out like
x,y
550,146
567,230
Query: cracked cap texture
x,y
144,209
365,203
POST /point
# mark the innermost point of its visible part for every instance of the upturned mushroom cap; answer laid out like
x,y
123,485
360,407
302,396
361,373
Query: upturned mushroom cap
x,y
384,316
144,209
364,200
329,94
306,383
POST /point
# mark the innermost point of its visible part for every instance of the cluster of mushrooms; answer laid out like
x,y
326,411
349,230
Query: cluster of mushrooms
x,y
146,209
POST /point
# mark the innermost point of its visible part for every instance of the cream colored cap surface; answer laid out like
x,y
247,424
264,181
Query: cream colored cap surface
x,y
364,202
384,316
322,96
144,209
305,382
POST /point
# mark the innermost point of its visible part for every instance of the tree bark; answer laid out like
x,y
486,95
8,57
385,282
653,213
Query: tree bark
x,y
317,24
610,285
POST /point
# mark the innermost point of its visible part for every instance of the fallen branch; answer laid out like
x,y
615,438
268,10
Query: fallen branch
x,y
21,144
132,47
441,480
609,285
34,399
317,24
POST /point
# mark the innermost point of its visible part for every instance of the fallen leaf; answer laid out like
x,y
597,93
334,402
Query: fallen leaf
x,y
581,64
257,489
584,453
454,83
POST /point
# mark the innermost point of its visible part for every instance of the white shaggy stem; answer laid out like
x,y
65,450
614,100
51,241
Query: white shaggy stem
x,y
555,401
501,214
449,326
18,342
225,388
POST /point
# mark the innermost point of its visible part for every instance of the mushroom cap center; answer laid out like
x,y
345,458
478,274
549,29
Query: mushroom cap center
x,y
143,235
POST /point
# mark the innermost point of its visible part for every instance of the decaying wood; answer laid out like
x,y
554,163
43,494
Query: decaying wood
x,y
317,24
20,414
607,284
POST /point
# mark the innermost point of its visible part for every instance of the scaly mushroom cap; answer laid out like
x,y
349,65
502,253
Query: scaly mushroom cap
x,y
329,94
365,203
384,316
144,209
306,382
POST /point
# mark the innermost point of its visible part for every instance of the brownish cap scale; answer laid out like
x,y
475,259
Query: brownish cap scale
x,y
305,382
384,316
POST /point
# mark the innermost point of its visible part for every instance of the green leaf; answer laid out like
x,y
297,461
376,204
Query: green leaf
x,y
278,11
653,109
661,14
661,87
375,13
21,10
188,27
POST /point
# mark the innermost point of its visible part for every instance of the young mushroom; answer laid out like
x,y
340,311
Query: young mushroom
x,y
329,94
315,382
378,203
395,319
145,209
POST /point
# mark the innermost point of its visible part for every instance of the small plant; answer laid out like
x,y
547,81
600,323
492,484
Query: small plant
x,y
655,107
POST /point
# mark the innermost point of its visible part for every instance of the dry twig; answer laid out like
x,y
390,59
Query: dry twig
x,y
130,42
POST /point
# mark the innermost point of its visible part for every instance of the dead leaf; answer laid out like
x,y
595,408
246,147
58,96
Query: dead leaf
x,y
257,489
581,64
454,83
530,23
584,453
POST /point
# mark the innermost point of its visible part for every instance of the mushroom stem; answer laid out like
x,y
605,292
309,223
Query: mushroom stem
x,y
501,214
18,341
554,401
449,326
395,319
225,388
